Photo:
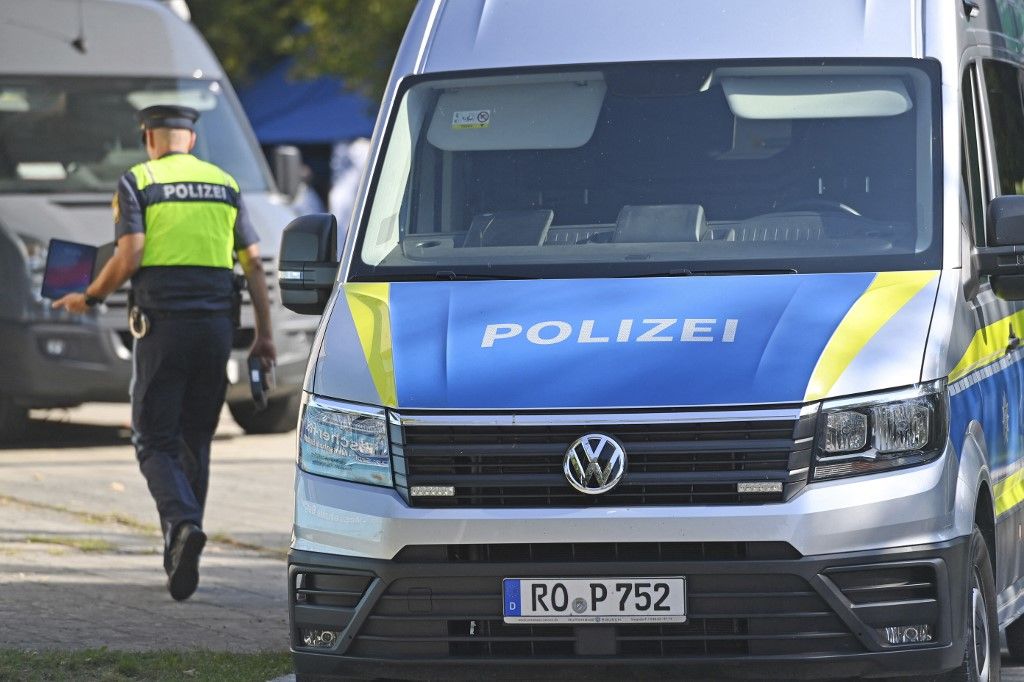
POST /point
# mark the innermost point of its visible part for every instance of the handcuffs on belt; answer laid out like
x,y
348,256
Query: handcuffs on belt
x,y
138,322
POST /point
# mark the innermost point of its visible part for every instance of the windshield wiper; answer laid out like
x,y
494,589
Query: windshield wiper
x,y
453,276
685,272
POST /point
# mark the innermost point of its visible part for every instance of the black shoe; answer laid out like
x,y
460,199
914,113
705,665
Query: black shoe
x,y
183,577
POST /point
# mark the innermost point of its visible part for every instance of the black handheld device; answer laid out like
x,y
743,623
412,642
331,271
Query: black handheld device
x,y
258,382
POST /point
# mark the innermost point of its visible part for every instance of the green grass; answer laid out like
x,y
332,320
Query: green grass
x,y
81,544
117,666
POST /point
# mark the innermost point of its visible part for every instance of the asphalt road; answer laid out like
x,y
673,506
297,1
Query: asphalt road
x,y
80,562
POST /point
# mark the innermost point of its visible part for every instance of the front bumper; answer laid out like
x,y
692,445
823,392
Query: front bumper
x,y
897,509
57,364
755,609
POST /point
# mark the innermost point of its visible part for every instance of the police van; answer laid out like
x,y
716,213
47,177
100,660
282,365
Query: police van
x,y
73,75
672,338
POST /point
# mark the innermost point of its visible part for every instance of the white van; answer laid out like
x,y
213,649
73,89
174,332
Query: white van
x,y
72,77
672,338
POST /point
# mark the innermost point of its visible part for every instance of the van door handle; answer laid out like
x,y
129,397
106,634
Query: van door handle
x,y
1013,343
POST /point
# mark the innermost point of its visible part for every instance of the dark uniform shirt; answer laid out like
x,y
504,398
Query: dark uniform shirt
x,y
178,287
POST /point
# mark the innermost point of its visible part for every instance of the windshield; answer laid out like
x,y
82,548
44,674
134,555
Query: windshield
x,y
81,134
659,168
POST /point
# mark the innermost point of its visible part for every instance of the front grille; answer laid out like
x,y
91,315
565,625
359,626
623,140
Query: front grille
x,y
729,615
327,599
668,463
891,594
329,589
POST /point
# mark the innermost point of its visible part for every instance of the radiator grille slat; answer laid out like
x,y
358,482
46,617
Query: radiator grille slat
x,y
685,463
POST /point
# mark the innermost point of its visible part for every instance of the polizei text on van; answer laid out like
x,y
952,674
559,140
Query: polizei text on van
x,y
648,330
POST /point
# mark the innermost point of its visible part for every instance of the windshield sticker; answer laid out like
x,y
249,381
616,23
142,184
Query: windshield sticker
x,y
478,118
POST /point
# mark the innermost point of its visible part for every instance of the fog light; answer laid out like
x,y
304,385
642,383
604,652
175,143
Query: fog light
x,y
55,347
908,634
319,639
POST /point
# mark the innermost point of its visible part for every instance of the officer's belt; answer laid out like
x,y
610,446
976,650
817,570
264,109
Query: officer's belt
x,y
185,314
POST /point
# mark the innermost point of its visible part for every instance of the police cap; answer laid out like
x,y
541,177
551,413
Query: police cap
x,y
168,116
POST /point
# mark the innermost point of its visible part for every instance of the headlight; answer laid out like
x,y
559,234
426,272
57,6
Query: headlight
x,y
880,433
345,441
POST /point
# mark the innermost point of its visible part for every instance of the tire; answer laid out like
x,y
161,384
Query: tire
x,y
981,658
13,420
280,416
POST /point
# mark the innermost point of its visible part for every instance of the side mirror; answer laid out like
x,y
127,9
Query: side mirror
x,y
288,170
1003,259
308,263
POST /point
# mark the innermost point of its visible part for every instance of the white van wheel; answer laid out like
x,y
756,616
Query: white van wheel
x,y
981,657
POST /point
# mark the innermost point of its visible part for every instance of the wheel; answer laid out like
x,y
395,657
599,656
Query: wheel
x,y
981,658
280,415
13,420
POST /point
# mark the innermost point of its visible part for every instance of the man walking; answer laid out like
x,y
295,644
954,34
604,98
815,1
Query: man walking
x,y
178,221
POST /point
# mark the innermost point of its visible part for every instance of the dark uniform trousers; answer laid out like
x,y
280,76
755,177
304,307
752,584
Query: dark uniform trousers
x,y
178,389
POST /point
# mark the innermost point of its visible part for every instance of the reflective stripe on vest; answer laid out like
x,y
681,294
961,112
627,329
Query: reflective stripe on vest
x,y
189,208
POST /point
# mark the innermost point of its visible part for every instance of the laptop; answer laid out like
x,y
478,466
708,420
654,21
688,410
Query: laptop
x,y
70,267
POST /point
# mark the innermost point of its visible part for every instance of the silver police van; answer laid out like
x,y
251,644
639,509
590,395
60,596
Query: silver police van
x,y
672,338
72,77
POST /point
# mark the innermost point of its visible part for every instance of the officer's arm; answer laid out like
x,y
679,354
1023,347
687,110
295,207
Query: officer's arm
x,y
256,277
118,270
121,266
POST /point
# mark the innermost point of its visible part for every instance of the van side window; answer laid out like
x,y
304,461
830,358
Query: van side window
x,y
1002,82
970,159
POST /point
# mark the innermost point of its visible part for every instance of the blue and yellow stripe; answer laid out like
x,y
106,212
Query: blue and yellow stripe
x,y
887,294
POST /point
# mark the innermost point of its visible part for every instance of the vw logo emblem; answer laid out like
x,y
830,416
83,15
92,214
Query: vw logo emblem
x,y
594,464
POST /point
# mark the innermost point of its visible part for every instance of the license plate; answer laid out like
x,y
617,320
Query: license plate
x,y
594,600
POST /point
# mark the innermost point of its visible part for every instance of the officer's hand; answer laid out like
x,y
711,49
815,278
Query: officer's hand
x,y
73,303
264,349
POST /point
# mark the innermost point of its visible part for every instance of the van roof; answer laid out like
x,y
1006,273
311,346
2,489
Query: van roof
x,y
480,34
122,37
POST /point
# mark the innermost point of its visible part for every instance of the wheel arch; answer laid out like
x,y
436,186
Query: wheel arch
x,y
975,503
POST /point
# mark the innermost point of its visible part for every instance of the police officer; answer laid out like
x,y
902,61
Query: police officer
x,y
178,221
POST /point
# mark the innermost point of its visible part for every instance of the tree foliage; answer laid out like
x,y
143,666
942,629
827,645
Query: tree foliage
x,y
354,39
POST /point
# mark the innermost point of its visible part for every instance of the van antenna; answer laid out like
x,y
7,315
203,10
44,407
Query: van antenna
x,y
79,42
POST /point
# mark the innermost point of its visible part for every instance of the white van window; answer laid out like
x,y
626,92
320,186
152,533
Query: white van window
x,y
1002,84
970,161
659,168
80,134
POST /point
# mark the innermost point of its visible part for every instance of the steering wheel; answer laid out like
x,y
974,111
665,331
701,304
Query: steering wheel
x,y
819,205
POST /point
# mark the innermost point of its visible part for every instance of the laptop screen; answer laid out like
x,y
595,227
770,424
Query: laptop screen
x,y
69,268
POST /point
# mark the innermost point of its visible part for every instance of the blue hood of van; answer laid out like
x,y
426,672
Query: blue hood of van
x,y
622,343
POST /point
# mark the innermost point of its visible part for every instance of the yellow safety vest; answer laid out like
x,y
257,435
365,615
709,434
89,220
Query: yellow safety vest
x,y
189,208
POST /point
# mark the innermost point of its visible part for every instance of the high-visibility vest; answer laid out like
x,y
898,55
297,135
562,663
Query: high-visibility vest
x,y
189,208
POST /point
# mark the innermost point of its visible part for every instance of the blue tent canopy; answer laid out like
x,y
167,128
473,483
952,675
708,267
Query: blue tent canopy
x,y
285,110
